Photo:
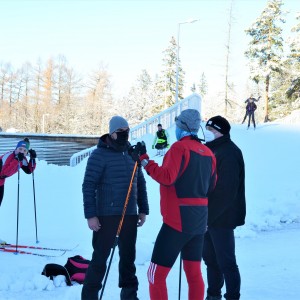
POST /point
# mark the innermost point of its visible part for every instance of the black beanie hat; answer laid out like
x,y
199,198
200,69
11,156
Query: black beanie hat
x,y
220,124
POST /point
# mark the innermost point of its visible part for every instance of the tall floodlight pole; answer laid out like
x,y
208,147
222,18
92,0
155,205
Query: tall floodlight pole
x,y
177,58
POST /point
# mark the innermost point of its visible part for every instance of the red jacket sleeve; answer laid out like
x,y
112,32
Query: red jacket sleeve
x,y
169,171
10,165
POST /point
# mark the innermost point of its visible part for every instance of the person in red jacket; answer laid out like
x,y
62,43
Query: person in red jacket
x,y
186,176
12,161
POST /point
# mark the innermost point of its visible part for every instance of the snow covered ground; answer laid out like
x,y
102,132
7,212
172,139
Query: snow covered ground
x,y
268,246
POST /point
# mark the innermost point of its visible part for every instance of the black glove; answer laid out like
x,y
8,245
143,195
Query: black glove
x,y
137,150
132,151
142,148
32,154
19,156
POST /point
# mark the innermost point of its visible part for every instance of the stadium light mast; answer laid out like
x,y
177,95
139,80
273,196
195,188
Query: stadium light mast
x,y
177,61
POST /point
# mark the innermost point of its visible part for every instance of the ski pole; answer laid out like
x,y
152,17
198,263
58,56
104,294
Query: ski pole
x,y
119,230
18,200
179,285
36,234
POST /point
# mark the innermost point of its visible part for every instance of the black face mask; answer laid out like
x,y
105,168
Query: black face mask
x,y
122,138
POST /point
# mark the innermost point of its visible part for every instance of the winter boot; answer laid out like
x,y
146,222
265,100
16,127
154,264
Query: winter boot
x,y
208,297
129,293
236,297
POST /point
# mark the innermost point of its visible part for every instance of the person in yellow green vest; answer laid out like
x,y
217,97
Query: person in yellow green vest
x,y
161,140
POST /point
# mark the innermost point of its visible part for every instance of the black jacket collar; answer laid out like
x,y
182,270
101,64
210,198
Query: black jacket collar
x,y
219,141
107,142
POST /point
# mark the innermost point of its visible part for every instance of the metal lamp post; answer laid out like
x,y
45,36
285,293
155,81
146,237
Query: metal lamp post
x,y
177,62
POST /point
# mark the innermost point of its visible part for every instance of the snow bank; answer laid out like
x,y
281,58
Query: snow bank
x,y
273,205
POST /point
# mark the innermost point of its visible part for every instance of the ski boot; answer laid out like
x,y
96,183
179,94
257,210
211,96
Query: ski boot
x,y
208,297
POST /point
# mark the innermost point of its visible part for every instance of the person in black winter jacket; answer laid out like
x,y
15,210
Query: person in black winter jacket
x,y
106,181
226,211
250,109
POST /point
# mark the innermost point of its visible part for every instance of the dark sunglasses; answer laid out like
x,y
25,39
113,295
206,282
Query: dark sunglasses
x,y
122,130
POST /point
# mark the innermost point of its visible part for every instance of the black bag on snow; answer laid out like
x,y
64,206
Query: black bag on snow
x,y
76,267
51,270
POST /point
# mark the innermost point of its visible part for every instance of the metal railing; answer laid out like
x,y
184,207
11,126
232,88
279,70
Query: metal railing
x,y
76,158
53,148
166,118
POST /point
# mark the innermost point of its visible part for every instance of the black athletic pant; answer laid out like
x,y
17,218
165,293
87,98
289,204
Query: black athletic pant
x,y
1,193
170,242
103,241
250,116
160,146
219,257
246,115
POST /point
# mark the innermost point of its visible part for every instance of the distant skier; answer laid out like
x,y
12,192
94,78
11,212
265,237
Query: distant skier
x,y
11,161
250,109
161,140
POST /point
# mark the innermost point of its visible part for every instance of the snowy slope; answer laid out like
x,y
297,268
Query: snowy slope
x,y
268,246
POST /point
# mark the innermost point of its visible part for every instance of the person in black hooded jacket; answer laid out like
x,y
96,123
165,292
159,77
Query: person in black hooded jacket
x,y
226,211
106,181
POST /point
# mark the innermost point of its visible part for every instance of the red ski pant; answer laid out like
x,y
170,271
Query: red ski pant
x,y
168,245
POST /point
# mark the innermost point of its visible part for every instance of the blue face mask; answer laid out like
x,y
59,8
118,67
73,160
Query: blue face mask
x,y
208,135
178,133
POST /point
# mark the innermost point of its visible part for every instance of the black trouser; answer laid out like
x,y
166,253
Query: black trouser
x,y
219,257
170,242
250,115
246,114
160,146
103,241
1,193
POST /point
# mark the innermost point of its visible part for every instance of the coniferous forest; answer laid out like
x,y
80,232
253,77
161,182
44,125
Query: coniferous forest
x,y
50,96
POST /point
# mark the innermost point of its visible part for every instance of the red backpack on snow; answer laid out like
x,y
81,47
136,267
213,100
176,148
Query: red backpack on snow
x,y
76,267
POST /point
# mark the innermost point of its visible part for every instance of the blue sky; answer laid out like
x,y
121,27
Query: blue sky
x,y
129,36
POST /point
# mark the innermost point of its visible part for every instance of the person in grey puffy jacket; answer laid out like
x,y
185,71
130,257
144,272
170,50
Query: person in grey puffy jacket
x,y
106,181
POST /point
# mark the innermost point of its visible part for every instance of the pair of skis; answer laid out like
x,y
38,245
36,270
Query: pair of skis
x,y
12,249
157,154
